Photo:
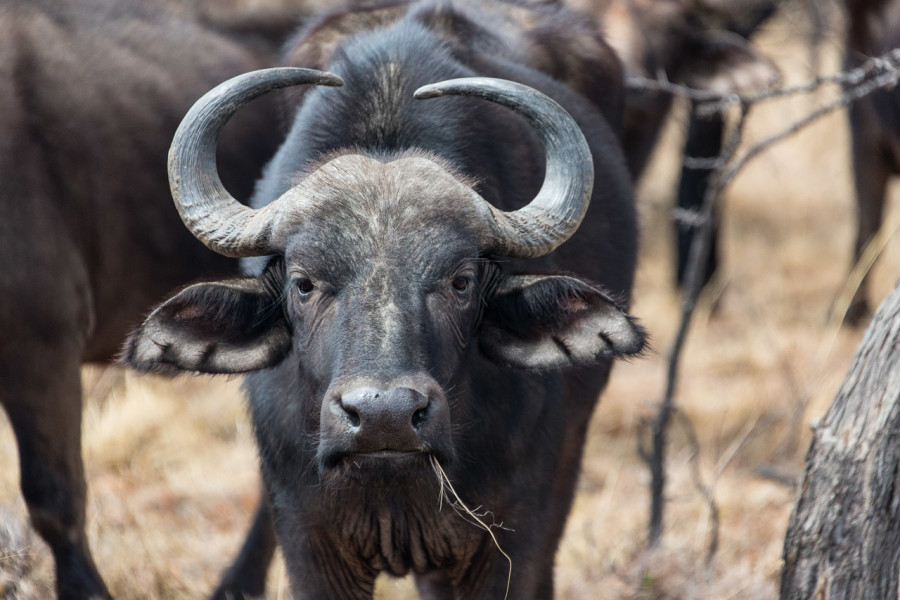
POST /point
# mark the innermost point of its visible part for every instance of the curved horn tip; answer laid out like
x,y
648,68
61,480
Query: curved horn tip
x,y
475,86
432,90
329,79
289,76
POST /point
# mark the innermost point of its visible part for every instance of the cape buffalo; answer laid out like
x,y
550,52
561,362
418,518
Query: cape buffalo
x,y
413,333
873,28
91,92
699,43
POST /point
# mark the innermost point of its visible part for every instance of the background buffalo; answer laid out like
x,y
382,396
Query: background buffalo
x,y
90,95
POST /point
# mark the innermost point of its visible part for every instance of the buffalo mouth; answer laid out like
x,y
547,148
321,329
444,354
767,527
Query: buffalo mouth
x,y
388,454
380,468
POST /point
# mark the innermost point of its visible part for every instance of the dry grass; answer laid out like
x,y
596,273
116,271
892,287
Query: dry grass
x,y
171,465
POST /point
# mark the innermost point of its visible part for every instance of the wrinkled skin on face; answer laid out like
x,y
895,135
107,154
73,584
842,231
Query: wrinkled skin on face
x,y
385,337
388,277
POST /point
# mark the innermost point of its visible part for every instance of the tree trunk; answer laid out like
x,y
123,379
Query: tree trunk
x,y
843,539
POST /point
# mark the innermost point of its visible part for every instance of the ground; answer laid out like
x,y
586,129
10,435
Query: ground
x,y
171,464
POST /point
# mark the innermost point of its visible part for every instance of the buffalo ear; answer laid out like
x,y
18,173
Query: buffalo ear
x,y
550,322
223,327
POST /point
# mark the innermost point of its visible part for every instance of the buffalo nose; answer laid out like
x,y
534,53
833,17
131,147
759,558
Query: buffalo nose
x,y
386,419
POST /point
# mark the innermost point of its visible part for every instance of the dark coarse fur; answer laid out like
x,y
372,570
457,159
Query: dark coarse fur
x,y
385,282
873,28
91,92
547,38
331,121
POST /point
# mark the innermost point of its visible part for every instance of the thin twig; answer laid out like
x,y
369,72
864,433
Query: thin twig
x,y
706,491
713,102
459,504
885,80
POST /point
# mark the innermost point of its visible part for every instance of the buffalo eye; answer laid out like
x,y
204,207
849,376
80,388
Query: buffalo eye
x,y
461,284
305,286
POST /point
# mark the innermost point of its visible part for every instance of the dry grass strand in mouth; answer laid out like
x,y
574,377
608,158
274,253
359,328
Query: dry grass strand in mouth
x,y
460,507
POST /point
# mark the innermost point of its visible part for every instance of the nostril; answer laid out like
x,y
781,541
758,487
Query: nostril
x,y
419,417
352,416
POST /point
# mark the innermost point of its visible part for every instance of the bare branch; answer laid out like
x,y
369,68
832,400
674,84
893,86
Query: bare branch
x,y
875,74
885,80
699,254
710,102
706,491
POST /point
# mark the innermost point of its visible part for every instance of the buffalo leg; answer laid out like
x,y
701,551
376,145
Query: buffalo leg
x,y
704,141
247,575
44,407
871,172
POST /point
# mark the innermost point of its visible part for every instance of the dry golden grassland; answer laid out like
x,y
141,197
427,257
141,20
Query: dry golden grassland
x,y
171,464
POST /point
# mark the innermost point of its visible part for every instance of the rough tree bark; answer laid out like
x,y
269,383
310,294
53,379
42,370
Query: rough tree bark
x,y
843,538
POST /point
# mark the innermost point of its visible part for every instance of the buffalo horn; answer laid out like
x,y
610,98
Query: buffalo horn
x,y
214,217
557,210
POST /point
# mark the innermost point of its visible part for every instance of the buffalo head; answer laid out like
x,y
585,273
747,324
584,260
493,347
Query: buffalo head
x,y
385,285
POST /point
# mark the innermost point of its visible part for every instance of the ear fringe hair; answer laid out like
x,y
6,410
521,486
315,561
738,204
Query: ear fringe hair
x,y
547,303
